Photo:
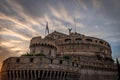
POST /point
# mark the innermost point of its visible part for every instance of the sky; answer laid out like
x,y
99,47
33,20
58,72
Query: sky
x,y
20,20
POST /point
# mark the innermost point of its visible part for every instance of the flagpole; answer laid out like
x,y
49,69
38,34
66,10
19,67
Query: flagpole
x,y
75,24
47,29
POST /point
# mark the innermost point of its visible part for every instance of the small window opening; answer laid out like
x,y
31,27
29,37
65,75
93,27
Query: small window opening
x,y
18,60
96,41
101,42
67,40
89,40
31,59
61,61
78,40
72,63
51,61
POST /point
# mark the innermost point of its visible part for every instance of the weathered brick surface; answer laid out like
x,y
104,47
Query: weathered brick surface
x,y
88,58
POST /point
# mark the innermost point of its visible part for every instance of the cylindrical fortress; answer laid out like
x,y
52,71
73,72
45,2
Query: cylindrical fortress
x,y
39,45
66,57
71,44
84,45
38,68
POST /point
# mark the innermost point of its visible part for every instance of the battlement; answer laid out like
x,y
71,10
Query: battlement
x,y
72,43
35,62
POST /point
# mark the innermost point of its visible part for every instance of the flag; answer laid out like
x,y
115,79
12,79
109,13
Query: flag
x,y
47,29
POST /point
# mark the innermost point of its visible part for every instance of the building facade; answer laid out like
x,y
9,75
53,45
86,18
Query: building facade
x,y
60,56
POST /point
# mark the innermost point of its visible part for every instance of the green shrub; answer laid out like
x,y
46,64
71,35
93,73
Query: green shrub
x,y
33,54
66,57
27,54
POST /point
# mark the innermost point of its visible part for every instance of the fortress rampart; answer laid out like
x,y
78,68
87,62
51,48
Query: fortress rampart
x,y
25,67
60,56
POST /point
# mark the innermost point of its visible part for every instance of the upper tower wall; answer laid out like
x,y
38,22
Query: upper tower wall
x,y
77,43
74,43
39,45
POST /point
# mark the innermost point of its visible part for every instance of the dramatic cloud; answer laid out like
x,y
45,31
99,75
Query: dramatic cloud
x,y
20,20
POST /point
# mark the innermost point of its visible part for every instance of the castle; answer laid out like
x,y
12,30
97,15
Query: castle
x,y
60,56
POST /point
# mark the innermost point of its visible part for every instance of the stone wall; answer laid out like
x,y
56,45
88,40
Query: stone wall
x,y
90,59
91,74
21,68
70,43
84,44
28,68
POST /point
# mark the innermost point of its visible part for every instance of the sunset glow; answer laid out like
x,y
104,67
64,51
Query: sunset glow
x,y
20,20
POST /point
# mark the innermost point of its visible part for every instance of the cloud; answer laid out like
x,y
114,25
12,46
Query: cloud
x,y
97,4
82,4
7,31
112,10
20,20
40,7
4,52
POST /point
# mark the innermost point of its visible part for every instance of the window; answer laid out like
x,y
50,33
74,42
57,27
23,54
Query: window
x,y
31,59
96,41
68,40
17,60
72,63
89,40
51,61
78,40
101,42
77,65
61,61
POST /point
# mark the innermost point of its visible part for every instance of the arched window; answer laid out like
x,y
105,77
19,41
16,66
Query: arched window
x,y
78,40
108,45
96,41
101,42
68,40
89,40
